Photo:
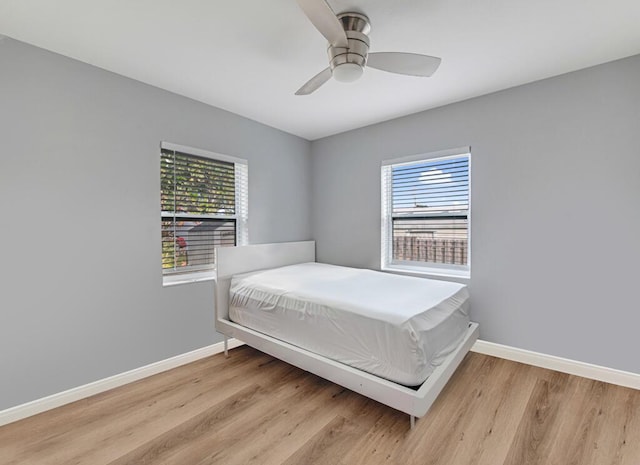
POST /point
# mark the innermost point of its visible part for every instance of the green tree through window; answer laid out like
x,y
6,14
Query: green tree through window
x,y
199,209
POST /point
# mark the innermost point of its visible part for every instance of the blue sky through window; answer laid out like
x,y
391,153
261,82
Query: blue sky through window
x,y
431,186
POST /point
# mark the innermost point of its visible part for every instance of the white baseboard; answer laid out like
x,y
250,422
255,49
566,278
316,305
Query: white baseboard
x,y
586,370
551,362
56,400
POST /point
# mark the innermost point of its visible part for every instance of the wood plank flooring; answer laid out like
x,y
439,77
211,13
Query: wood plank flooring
x,y
253,409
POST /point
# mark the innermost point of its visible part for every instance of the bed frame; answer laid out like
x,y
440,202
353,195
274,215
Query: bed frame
x,y
234,260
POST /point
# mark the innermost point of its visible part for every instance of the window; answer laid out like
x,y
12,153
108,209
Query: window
x,y
204,201
425,213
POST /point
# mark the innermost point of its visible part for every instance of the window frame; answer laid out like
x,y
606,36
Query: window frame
x,y
387,263
240,217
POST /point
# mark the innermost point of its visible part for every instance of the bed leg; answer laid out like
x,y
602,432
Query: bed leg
x,y
226,346
412,419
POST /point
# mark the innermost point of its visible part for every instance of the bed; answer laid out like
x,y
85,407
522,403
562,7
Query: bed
x,y
336,322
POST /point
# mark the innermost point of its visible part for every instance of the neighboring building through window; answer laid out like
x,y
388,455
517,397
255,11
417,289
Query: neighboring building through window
x,y
203,198
425,213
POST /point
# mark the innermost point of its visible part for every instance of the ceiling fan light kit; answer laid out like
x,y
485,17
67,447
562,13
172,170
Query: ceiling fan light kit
x,y
348,49
347,72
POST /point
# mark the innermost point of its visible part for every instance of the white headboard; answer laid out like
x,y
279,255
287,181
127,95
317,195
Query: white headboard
x,y
243,259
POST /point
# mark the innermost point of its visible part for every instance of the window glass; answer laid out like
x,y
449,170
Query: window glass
x,y
426,212
203,206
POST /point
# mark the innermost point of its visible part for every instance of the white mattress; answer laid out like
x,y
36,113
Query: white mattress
x,y
396,327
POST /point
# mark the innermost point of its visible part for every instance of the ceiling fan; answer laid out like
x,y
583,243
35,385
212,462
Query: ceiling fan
x,y
348,49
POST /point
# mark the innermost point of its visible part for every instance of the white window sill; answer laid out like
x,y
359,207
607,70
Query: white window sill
x,y
195,277
461,276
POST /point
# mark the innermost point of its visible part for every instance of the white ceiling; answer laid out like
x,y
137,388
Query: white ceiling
x,y
250,56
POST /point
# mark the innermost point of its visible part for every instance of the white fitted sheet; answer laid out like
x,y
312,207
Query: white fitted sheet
x,y
396,327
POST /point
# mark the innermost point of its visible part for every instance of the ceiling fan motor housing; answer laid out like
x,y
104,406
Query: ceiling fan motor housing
x,y
347,63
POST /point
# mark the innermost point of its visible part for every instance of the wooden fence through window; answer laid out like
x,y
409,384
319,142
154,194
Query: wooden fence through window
x,y
449,251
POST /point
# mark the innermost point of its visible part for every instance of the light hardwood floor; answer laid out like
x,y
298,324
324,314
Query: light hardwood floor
x,y
253,409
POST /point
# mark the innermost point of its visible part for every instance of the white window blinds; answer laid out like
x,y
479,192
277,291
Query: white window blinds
x,y
203,206
426,211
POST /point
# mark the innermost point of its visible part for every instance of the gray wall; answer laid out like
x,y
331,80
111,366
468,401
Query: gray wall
x,y
555,216
81,288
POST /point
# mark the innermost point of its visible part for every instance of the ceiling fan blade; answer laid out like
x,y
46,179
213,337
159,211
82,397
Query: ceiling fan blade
x,y
315,82
325,21
412,64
